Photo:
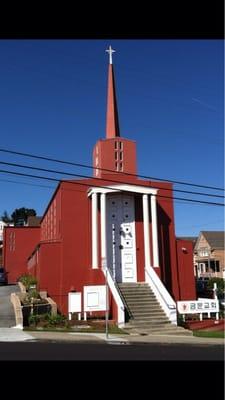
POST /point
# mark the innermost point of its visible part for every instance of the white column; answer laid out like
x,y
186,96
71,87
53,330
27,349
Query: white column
x,y
154,231
146,230
94,226
103,228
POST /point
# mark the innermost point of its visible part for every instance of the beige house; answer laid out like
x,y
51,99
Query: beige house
x,y
209,255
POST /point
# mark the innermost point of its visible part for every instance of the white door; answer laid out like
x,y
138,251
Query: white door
x,y
121,241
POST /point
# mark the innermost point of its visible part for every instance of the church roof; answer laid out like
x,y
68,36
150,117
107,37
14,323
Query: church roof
x,y
112,119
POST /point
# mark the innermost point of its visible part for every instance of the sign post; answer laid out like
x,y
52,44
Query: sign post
x,y
107,306
105,269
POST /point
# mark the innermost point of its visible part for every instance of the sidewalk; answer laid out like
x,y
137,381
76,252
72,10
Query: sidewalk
x,y
99,338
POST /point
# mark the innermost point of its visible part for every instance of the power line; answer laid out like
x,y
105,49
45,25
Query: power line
x,y
105,179
107,170
106,187
54,187
26,183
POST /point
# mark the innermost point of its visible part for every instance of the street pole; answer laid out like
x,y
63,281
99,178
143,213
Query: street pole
x,y
107,305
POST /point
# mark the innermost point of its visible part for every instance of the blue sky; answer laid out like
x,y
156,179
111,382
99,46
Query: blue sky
x,y
170,99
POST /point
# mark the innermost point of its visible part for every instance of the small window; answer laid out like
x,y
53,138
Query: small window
x,y
116,155
121,155
116,145
121,145
121,166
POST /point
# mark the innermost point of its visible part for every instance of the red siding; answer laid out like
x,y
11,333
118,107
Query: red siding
x,y
185,267
18,244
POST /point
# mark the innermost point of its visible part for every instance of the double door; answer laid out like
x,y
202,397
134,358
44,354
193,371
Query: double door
x,y
121,241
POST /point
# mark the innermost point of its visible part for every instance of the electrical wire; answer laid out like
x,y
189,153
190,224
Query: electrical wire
x,y
106,187
105,179
108,170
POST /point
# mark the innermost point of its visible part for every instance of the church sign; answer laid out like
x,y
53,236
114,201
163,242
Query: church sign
x,y
198,307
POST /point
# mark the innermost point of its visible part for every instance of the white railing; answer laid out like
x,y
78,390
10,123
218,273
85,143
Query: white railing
x,y
166,301
115,293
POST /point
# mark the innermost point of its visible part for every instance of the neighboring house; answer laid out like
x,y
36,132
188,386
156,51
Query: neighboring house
x,y
33,221
209,255
113,220
2,225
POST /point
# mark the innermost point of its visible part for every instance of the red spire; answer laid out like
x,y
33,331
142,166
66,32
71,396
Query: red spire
x,y
112,121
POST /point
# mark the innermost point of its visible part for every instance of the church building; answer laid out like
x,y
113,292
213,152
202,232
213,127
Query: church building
x,y
113,227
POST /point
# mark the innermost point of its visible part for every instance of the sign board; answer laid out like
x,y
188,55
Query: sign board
x,y
198,306
95,298
74,302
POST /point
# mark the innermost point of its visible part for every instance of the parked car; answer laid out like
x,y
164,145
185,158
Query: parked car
x,y
3,276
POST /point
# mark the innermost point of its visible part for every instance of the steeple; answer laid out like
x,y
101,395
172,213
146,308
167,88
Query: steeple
x,y
113,154
112,121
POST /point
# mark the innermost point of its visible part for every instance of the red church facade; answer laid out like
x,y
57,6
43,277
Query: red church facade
x,y
112,222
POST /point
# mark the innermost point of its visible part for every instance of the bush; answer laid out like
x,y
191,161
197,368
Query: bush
x,y
47,320
27,280
220,285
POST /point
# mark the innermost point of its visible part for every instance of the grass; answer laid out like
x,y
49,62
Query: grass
x,y
209,334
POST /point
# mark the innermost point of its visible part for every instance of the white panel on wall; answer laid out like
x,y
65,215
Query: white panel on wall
x,y
95,298
74,299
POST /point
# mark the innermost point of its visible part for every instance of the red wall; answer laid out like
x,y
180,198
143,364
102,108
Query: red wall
x,y
106,156
187,290
74,261
18,244
63,261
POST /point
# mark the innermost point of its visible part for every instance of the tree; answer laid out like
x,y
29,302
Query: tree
x,y
20,215
6,218
220,285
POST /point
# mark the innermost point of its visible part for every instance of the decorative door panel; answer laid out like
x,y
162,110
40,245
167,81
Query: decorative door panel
x,y
121,241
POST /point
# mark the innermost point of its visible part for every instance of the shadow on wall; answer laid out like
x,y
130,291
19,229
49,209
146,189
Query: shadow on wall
x,y
164,248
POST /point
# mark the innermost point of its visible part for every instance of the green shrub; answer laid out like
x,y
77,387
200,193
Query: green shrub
x,y
55,320
27,280
220,285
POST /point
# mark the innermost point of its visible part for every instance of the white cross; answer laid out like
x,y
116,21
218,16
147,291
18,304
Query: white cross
x,y
110,51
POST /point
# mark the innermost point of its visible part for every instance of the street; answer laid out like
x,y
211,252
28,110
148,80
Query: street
x,y
50,350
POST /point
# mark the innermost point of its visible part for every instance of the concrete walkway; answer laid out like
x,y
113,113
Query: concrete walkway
x,y
7,316
123,339
14,335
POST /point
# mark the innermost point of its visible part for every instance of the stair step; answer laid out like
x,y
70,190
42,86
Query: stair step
x,y
147,311
148,315
134,297
139,290
147,307
140,301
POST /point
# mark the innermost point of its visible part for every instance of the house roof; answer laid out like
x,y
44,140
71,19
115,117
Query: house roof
x,y
33,221
191,238
215,239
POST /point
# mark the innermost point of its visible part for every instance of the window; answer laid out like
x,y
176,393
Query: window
x,y
121,145
204,252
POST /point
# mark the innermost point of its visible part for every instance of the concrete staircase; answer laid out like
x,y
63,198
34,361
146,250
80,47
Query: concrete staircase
x,y
144,312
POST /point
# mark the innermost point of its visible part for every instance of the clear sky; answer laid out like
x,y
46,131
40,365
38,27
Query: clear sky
x,y
170,99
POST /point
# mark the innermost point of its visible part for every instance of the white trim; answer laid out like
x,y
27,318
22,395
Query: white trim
x,y
163,296
154,232
146,230
117,298
103,227
94,220
124,188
